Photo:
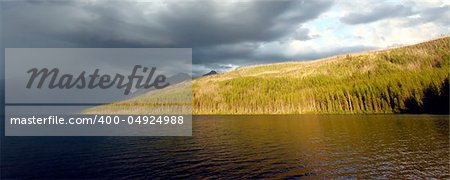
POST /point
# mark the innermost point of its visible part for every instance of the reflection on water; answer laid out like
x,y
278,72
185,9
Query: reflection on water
x,y
284,146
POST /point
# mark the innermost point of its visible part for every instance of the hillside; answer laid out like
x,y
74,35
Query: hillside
x,y
410,79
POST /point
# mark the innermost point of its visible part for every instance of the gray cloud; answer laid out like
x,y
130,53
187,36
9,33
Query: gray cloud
x,y
217,31
221,34
189,24
247,55
439,15
253,59
378,12
302,34
206,25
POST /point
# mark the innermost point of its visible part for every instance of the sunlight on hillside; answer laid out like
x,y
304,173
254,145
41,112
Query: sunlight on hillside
x,y
411,79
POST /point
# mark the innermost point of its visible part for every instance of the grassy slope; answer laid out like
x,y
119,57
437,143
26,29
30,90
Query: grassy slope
x,y
411,79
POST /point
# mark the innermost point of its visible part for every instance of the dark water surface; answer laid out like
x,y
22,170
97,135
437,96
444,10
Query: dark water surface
x,y
285,146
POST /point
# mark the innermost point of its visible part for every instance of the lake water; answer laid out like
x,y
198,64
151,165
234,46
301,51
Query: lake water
x,y
282,146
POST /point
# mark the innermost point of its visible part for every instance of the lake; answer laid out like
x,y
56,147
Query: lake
x,y
274,146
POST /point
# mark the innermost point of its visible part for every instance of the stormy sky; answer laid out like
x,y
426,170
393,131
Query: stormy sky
x,y
225,34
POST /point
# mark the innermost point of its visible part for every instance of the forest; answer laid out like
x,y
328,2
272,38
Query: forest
x,y
409,79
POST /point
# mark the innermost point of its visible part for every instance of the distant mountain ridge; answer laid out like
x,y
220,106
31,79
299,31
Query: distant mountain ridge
x,y
409,79
210,73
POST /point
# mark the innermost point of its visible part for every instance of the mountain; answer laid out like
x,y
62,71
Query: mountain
x,y
210,73
409,79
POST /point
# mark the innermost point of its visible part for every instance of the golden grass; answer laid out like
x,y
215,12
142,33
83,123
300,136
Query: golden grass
x,y
405,79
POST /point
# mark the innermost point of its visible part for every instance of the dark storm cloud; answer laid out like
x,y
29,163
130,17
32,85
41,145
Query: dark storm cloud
x,y
205,25
378,12
224,52
189,24
217,31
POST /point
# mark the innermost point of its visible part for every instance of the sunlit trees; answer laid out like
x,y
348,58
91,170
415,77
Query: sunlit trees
x,y
391,81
